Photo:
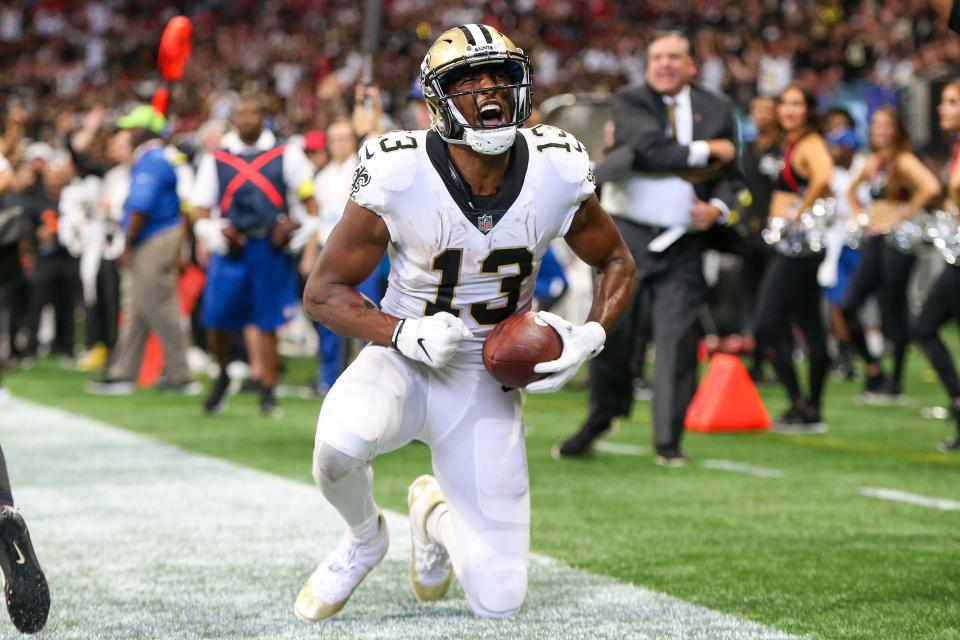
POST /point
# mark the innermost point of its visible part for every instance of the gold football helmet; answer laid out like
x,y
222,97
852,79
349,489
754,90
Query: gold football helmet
x,y
458,51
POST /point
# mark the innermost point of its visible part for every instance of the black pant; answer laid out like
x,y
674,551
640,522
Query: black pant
x,y
885,272
789,294
942,304
15,299
55,282
672,284
756,257
644,330
103,315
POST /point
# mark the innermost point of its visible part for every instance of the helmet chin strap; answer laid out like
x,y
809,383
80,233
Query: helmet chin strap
x,y
491,142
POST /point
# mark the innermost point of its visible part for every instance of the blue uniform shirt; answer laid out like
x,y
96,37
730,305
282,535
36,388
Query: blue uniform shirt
x,y
153,192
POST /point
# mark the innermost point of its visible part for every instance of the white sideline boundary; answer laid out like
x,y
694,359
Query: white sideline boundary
x,y
618,448
895,495
739,467
141,539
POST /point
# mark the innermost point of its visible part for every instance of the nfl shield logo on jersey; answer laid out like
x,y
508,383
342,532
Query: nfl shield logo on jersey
x,y
485,222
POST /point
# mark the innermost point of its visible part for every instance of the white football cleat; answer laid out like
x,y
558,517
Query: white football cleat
x,y
430,571
340,573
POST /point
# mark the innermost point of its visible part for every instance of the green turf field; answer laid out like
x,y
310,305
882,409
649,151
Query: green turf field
x,y
804,551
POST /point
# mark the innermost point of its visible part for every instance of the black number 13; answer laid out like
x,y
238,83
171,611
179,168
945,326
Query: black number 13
x,y
449,263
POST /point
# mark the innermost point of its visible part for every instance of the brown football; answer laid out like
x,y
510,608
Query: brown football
x,y
516,345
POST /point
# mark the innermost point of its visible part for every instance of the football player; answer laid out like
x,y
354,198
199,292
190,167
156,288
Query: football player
x,y
25,588
466,210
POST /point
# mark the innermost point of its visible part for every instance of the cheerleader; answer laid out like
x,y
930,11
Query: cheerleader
x,y
789,293
900,185
943,298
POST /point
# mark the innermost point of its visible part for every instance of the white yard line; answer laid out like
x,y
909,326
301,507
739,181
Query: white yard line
x,y
141,539
619,449
739,467
943,504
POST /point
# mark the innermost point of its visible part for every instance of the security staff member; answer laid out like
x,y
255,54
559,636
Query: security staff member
x,y
255,282
669,177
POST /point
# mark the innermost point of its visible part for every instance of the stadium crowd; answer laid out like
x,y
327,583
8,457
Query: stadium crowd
x,y
91,52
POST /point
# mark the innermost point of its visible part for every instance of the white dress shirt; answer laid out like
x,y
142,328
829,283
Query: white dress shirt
x,y
663,199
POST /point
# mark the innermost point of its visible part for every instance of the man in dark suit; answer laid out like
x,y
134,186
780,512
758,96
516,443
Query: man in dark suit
x,y
668,179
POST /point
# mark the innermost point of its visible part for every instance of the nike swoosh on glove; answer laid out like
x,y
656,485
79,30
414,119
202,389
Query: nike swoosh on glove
x,y
580,343
210,232
431,340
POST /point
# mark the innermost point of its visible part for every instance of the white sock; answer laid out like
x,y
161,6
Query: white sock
x,y
440,527
352,496
367,530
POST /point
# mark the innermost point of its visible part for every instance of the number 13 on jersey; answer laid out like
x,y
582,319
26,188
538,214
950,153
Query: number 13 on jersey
x,y
450,263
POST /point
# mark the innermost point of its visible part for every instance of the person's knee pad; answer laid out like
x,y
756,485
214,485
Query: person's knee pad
x,y
496,591
330,464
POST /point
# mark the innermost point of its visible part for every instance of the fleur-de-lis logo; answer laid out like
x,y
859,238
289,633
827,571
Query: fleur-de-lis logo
x,y
360,179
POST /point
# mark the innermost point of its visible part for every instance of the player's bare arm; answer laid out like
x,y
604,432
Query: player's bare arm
x,y
352,252
595,240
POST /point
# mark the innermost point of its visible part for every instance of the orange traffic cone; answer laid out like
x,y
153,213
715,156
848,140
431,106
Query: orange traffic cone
x,y
152,364
727,399
190,288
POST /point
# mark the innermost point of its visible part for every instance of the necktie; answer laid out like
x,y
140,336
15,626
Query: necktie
x,y
672,118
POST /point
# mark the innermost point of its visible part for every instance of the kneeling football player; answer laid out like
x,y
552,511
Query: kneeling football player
x,y
467,210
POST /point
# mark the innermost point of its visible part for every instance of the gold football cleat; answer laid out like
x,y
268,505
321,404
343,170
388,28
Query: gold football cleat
x,y
430,571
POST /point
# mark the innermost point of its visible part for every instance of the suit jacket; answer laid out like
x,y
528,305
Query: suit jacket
x,y
641,143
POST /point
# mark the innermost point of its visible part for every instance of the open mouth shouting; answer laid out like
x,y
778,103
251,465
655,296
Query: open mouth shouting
x,y
492,114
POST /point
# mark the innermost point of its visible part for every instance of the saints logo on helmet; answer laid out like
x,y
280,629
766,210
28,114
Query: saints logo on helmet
x,y
459,51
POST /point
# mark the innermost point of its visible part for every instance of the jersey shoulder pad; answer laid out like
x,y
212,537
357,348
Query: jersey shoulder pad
x,y
388,163
560,149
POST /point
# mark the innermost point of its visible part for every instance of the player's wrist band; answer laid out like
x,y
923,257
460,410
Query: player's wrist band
x,y
396,334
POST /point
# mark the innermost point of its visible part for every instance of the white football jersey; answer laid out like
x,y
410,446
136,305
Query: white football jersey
x,y
473,256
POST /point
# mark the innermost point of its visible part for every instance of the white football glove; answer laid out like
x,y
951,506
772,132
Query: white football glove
x,y
431,340
309,228
210,232
580,343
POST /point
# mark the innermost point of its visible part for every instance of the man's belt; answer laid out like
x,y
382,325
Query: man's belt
x,y
256,232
